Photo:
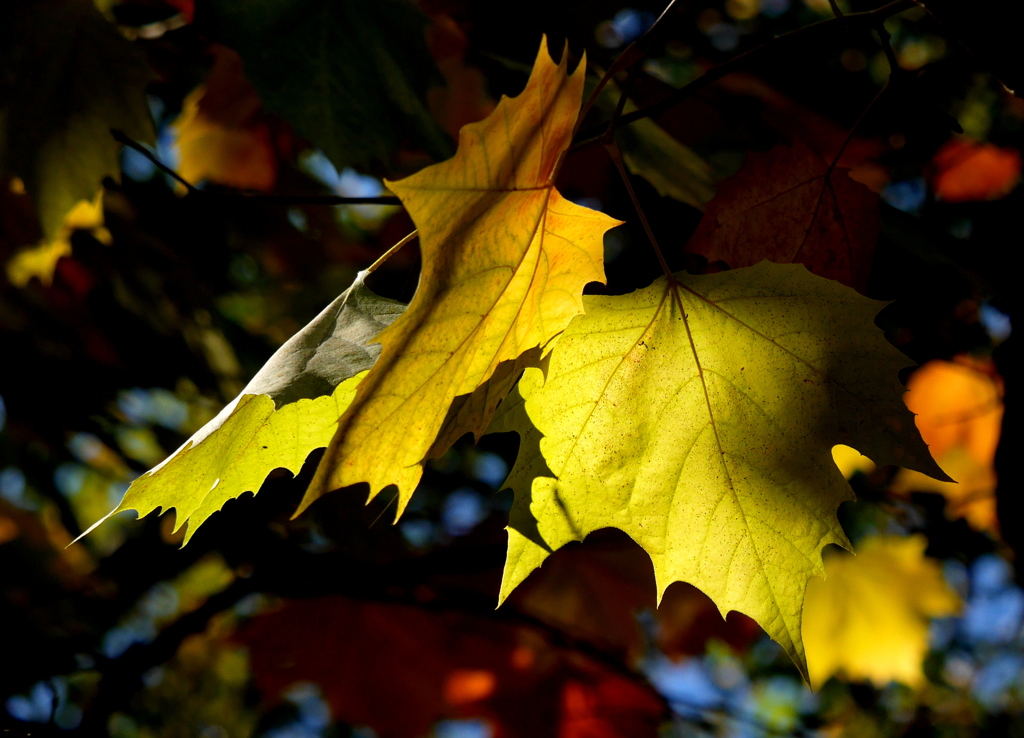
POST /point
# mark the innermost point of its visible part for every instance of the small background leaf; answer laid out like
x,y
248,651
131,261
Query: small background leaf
x,y
868,619
968,171
220,134
68,78
781,206
958,407
351,76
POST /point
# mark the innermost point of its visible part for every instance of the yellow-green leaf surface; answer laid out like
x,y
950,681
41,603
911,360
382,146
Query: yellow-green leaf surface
x,y
505,260
869,618
700,418
290,408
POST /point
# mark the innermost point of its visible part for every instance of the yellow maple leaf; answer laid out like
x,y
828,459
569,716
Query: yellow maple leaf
x,y
850,461
869,618
505,259
699,415
286,411
41,260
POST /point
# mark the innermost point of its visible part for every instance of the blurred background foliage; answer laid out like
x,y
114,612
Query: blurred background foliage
x,y
131,321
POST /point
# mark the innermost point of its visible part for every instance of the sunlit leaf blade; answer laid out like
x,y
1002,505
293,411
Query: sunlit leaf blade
x,y
67,77
290,408
706,433
869,618
505,260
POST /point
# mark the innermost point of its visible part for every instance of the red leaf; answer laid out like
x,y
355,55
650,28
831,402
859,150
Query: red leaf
x,y
785,206
399,669
967,171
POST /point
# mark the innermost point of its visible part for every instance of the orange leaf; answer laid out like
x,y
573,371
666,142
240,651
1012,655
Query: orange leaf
x,y
221,136
967,171
959,410
463,686
464,98
784,206
505,259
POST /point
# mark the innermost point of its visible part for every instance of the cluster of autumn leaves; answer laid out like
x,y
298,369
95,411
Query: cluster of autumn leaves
x,y
698,414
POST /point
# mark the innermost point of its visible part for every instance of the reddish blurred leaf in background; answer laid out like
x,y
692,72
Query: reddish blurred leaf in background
x,y
785,205
959,411
595,589
464,97
400,668
967,171
222,132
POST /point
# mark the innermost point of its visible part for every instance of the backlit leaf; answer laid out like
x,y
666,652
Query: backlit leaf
x,y
505,260
785,206
290,408
700,420
869,618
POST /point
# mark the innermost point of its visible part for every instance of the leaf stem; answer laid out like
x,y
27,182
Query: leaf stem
x,y
387,254
616,155
627,87
120,137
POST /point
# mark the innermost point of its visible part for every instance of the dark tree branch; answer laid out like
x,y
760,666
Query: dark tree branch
x,y
850,23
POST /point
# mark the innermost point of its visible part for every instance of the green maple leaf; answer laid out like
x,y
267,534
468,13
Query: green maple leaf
x,y
350,76
699,417
67,77
674,170
290,408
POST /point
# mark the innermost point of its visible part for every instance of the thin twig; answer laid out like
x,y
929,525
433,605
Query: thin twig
x,y
120,137
852,22
387,254
890,55
856,125
609,134
628,59
616,155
